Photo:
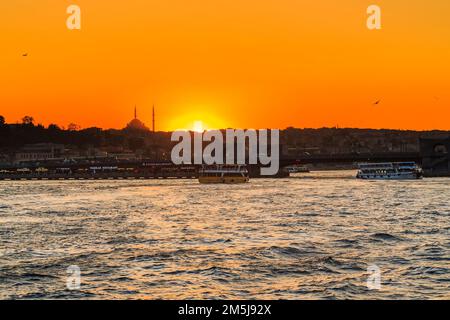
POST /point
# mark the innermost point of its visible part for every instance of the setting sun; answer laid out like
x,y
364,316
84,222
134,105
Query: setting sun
x,y
198,126
196,120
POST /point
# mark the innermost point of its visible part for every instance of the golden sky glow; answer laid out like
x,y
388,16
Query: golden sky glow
x,y
228,63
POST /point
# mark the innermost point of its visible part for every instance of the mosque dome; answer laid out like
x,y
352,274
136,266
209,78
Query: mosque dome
x,y
136,124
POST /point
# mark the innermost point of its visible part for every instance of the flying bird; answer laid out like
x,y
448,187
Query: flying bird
x,y
25,55
377,102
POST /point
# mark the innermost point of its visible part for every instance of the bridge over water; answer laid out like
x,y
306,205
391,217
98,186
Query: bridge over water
x,y
352,158
108,168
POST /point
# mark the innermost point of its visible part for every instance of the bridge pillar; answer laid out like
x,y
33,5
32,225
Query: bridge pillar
x,y
435,157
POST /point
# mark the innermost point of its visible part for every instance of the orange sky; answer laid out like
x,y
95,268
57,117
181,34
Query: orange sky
x,y
229,63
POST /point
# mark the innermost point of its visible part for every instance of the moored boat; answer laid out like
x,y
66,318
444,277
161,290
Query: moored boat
x,y
389,171
297,169
223,174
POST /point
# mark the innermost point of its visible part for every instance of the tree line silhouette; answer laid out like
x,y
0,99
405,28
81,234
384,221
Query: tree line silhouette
x,y
13,136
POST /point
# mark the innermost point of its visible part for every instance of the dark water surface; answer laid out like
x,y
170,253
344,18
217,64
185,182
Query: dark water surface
x,y
310,236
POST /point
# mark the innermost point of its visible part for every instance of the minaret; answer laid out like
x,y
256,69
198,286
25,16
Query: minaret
x,y
135,112
153,121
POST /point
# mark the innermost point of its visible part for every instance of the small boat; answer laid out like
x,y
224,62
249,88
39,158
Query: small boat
x,y
297,169
223,174
389,171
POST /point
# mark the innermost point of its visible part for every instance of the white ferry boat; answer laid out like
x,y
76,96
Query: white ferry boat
x,y
223,174
389,171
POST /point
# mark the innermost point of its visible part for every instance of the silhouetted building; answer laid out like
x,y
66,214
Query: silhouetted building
x,y
153,119
39,152
136,124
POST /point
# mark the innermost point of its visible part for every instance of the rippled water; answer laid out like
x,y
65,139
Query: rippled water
x,y
310,236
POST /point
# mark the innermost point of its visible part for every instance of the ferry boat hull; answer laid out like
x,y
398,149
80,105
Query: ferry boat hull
x,y
223,174
389,177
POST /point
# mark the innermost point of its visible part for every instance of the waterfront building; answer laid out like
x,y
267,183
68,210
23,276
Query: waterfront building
x,y
39,152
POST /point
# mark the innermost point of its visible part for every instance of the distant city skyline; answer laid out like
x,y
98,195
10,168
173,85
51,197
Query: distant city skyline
x,y
251,64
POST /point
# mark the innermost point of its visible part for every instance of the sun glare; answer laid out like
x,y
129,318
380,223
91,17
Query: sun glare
x,y
198,126
197,122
